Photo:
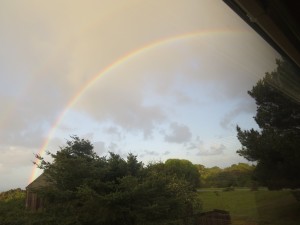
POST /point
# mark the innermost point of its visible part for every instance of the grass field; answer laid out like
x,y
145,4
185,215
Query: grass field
x,y
254,207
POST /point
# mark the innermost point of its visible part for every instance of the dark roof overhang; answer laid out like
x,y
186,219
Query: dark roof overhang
x,y
277,21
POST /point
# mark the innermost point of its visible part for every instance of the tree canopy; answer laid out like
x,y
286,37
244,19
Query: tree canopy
x,y
88,189
237,175
275,146
184,169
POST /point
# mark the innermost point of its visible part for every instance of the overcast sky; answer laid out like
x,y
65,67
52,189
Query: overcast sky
x,y
160,79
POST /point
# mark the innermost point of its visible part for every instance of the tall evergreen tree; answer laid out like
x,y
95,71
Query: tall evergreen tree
x,y
276,145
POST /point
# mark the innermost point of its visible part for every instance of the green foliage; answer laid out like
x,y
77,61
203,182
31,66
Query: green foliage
x,y
12,208
73,165
237,175
87,189
13,194
12,204
183,169
275,147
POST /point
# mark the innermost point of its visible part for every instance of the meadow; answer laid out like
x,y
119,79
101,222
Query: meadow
x,y
247,207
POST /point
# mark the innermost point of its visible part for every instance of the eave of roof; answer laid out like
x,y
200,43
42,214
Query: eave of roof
x,y
276,21
40,181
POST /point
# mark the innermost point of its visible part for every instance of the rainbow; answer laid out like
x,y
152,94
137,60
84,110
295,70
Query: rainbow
x,y
120,61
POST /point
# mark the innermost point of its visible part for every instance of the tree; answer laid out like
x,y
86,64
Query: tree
x,y
170,199
275,146
208,176
88,189
237,175
72,166
184,169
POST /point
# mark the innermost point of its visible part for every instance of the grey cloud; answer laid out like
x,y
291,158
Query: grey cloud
x,y
179,133
148,153
213,150
15,157
27,135
182,98
216,150
201,150
56,143
115,132
29,113
112,147
99,147
139,118
112,130
166,153
115,148
248,107
122,103
193,145
88,136
103,148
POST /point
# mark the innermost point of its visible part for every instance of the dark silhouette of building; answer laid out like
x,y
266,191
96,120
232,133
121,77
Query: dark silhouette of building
x,y
33,200
215,217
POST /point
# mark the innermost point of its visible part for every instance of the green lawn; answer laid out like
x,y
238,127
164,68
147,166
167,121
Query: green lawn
x,y
251,208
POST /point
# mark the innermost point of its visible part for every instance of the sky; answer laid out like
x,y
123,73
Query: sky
x,y
159,79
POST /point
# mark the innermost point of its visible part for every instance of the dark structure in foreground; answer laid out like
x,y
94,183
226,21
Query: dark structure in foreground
x,y
33,200
277,21
215,217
